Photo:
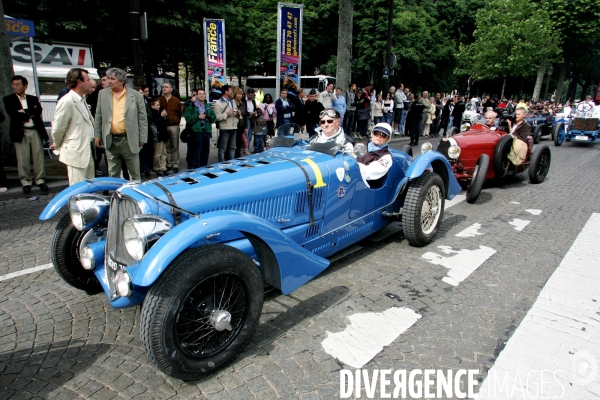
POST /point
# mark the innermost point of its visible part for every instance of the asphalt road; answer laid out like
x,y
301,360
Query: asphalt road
x,y
459,303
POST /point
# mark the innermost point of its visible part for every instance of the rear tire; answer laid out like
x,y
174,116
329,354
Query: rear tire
x,y
64,253
539,164
478,179
537,134
202,311
501,162
407,149
423,208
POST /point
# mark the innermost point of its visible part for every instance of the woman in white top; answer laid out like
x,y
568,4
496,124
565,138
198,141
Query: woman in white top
x,y
377,110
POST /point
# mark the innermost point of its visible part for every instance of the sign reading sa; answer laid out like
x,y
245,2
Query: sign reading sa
x,y
61,54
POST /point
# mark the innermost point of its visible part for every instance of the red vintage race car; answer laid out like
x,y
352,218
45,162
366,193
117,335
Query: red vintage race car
x,y
481,153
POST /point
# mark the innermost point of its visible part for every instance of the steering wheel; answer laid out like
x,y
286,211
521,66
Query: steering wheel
x,y
584,107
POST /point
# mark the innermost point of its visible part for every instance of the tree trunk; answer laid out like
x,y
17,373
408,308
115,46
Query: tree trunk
x,y
585,88
6,72
503,86
573,86
539,81
344,50
561,81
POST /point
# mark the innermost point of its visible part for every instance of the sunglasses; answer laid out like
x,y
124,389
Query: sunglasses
x,y
329,113
329,121
380,134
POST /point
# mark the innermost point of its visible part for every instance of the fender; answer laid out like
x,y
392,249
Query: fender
x,y
288,253
87,186
437,161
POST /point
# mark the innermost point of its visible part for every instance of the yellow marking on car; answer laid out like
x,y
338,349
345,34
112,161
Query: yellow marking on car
x,y
317,172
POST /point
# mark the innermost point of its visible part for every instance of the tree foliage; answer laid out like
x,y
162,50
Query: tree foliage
x,y
438,43
512,38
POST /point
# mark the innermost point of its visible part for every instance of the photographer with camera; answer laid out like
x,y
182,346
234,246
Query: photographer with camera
x,y
27,132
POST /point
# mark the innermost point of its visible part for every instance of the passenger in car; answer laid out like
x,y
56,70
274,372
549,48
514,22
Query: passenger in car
x,y
521,128
376,163
330,131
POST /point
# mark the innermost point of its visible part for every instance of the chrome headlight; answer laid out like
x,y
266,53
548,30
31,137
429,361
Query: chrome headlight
x,y
425,147
87,258
88,210
141,232
454,152
465,127
123,283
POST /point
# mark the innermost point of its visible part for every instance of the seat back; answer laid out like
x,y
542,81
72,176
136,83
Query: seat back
x,y
591,124
579,124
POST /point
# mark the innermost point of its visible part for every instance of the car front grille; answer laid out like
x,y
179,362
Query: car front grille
x,y
443,148
116,256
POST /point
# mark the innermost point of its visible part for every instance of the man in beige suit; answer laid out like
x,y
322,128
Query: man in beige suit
x,y
121,123
73,127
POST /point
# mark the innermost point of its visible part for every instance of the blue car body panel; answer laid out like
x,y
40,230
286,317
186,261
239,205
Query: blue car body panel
x,y
262,200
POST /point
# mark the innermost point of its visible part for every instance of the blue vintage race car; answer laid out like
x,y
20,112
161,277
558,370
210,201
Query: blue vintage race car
x,y
582,124
197,248
541,124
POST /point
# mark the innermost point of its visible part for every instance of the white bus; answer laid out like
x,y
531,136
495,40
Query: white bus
x,y
268,83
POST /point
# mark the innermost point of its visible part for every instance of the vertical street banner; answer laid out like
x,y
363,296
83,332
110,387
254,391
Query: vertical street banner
x,y
289,46
214,59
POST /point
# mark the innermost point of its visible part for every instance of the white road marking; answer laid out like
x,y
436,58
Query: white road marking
x,y
534,211
461,264
514,202
367,334
459,198
558,335
519,224
471,231
25,271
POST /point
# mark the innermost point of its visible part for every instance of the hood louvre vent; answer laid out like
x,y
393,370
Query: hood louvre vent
x,y
270,209
302,200
313,230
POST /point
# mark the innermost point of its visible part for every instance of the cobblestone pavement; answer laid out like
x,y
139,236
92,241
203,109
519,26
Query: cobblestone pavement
x,y
57,342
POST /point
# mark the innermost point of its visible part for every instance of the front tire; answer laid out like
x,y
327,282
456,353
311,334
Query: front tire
x,y
453,131
478,179
64,253
202,311
558,133
423,209
539,165
501,162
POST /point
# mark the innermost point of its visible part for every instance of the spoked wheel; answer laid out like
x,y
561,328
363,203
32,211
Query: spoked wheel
x,y
503,168
558,133
202,311
423,209
64,253
539,165
478,179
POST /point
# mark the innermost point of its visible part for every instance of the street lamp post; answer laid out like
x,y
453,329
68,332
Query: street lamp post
x,y
549,73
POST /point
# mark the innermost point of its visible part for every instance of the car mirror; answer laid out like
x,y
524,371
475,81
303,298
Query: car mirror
x,y
360,150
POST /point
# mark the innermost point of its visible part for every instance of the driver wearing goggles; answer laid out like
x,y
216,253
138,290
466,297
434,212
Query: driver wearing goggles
x,y
330,131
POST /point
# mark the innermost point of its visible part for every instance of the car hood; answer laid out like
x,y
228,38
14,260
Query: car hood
x,y
265,184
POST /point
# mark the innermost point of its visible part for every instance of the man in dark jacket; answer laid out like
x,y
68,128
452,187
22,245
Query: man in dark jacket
x,y
27,132
312,109
457,113
284,108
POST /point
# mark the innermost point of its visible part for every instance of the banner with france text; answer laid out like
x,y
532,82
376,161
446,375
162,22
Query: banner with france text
x,y
214,60
289,46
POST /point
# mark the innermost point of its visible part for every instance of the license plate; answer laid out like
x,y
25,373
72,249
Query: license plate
x,y
585,138
115,266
